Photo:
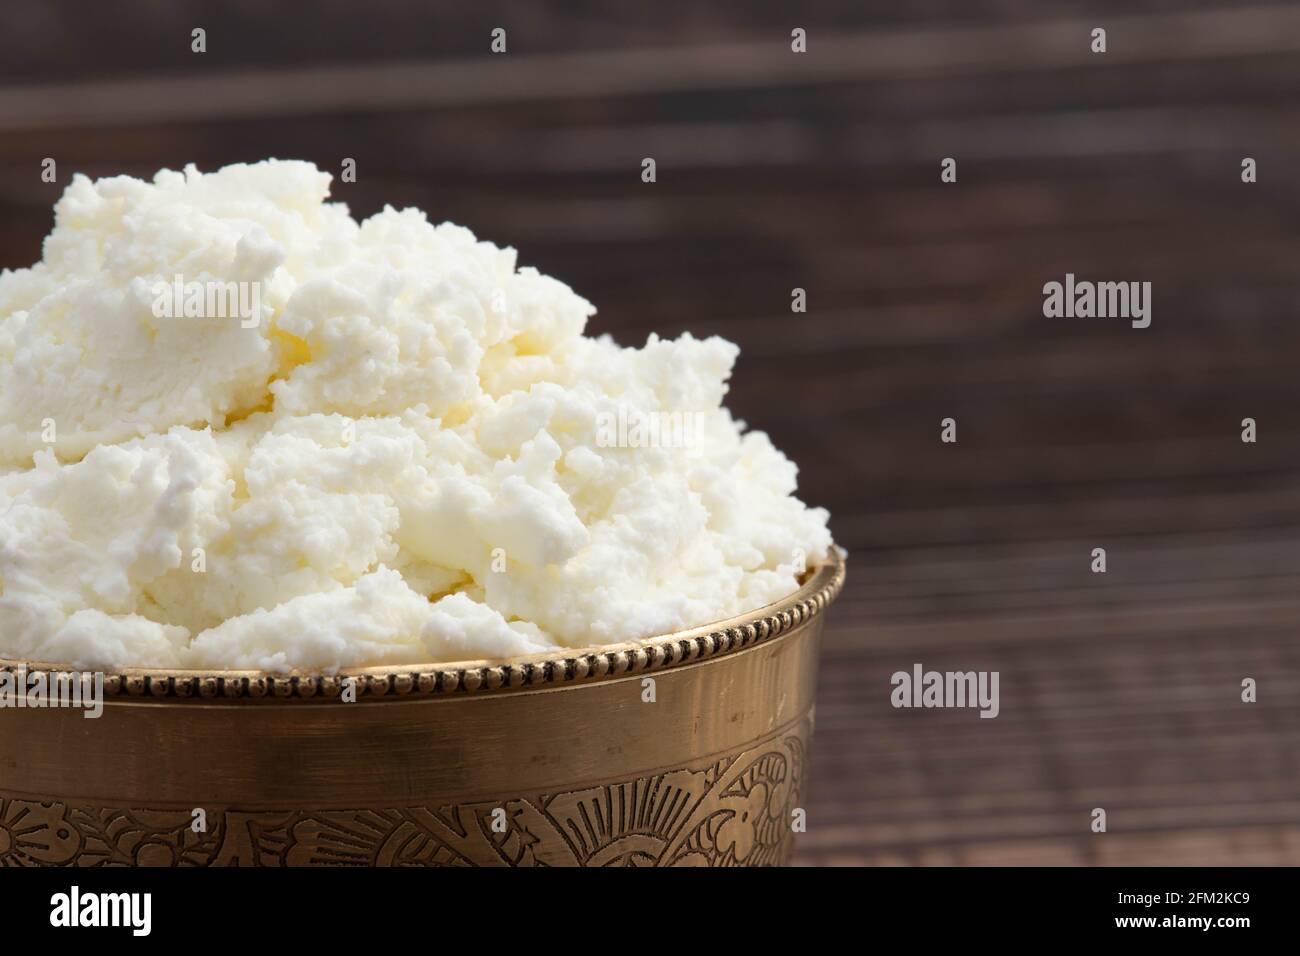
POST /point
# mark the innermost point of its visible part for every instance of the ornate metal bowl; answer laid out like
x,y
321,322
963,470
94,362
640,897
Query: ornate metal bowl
x,y
685,749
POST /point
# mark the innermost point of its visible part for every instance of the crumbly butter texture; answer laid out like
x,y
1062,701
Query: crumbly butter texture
x,y
402,460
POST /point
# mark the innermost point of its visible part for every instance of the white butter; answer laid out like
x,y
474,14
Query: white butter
x,y
400,462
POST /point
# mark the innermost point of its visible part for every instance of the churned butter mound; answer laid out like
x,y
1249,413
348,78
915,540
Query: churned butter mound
x,y
390,445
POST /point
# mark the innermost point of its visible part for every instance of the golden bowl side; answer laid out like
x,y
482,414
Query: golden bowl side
x,y
557,759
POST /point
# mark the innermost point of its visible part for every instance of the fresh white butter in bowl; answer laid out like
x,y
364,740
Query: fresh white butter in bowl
x,y
239,429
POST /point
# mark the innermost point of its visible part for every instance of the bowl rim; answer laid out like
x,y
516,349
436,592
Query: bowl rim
x,y
558,667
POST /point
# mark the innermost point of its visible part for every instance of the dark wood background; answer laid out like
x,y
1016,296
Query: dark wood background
x,y
822,172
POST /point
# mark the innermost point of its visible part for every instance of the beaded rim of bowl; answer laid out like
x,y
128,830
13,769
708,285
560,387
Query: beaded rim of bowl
x,y
548,669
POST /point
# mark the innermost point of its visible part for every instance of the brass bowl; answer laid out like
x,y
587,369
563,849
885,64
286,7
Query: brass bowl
x,y
556,759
